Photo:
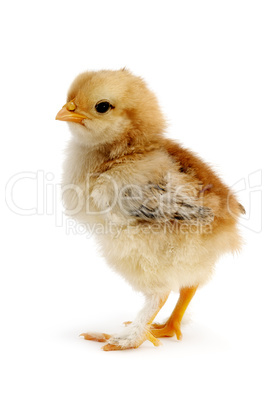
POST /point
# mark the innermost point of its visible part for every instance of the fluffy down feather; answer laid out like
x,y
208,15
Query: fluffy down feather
x,y
166,216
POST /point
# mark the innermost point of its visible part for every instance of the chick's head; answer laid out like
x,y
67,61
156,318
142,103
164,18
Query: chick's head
x,y
104,106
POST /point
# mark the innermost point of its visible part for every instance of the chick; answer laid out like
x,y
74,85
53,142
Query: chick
x,y
161,215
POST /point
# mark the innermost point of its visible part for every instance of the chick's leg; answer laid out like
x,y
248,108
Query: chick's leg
x,y
138,331
172,326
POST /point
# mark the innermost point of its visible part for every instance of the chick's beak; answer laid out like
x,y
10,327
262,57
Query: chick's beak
x,y
67,113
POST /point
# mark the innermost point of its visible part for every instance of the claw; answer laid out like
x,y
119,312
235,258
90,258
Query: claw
x,y
127,323
153,339
157,326
95,336
110,346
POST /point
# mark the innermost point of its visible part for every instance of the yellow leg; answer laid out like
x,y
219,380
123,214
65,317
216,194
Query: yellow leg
x,y
145,318
172,326
146,335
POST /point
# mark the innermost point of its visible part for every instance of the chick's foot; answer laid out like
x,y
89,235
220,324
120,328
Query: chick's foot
x,y
166,330
172,326
130,341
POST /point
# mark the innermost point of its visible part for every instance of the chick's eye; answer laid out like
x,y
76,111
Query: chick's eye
x,y
103,106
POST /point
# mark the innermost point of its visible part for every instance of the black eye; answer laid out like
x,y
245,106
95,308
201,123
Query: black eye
x,y
103,107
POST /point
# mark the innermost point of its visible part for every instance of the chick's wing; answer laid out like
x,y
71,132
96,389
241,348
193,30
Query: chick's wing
x,y
163,201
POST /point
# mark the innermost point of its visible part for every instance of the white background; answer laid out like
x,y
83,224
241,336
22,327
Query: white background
x,y
206,61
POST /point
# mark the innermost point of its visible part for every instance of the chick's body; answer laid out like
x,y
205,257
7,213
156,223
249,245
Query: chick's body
x,y
161,215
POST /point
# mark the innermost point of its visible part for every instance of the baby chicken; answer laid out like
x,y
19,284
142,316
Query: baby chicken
x,y
161,215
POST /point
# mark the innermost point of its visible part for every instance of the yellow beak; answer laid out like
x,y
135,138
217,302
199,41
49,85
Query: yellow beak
x,y
67,114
